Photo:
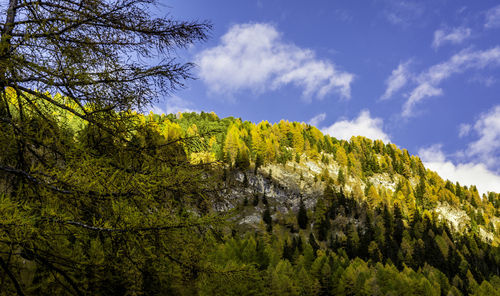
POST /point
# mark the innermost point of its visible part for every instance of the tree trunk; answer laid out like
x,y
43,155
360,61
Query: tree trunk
x,y
8,27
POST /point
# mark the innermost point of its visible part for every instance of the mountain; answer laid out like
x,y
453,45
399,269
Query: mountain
x,y
362,199
192,204
299,158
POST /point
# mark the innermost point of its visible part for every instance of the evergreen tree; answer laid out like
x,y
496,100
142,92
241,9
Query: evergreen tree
x,y
242,160
91,181
264,199
399,225
245,181
341,177
266,217
353,241
302,218
287,251
255,201
258,162
313,243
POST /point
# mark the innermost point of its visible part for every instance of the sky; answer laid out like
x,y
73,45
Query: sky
x,y
424,75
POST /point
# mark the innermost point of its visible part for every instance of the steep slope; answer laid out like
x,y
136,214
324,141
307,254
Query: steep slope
x,y
193,204
359,198
363,198
300,158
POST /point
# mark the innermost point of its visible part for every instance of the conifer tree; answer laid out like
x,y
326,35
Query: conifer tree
x,y
255,201
84,50
89,175
242,159
302,218
341,177
266,217
258,162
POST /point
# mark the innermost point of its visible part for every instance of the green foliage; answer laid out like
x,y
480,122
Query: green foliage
x,y
91,213
153,191
96,199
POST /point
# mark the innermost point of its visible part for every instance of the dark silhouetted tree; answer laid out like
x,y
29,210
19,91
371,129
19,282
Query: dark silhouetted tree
x,y
302,218
266,217
71,74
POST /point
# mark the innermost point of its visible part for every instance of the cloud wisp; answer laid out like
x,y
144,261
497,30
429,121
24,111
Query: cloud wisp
x,y
464,130
364,125
453,36
479,164
492,18
398,79
403,13
254,57
316,120
173,105
486,148
428,82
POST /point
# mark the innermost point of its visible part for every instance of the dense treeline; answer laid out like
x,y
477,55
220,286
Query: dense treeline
x,y
302,271
96,199
86,212
387,231
244,144
345,247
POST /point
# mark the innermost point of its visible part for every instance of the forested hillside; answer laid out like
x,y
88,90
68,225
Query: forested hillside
x,y
193,204
360,199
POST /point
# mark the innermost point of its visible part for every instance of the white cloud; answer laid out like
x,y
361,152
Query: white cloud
x,y
480,162
464,130
432,153
343,15
493,17
174,104
419,93
484,80
465,173
428,82
487,148
454,36
254,57
364,125
397,80
316,120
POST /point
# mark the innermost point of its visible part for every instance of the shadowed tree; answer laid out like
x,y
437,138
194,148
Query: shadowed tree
x,y
302,218
93,196
93,51
97,54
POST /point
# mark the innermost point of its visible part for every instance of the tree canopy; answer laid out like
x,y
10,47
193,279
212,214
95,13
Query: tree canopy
x,y
93,52
93,198
99,199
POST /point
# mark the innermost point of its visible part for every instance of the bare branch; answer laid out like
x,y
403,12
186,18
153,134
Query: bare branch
x,y
5,267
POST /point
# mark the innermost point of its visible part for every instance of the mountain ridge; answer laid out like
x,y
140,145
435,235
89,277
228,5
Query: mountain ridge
x,y
211,206
365,165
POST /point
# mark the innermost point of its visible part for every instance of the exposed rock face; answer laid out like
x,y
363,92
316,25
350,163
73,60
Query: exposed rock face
x,y
285,185
455,217
281,189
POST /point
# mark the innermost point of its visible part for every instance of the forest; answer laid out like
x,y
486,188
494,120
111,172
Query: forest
x,y
144,219
98,197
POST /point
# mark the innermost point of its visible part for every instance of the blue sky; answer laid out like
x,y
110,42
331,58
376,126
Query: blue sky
x,y
424,75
